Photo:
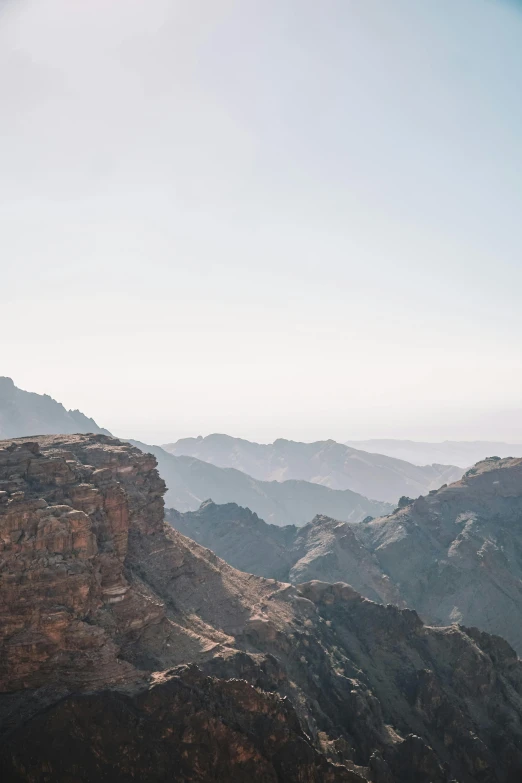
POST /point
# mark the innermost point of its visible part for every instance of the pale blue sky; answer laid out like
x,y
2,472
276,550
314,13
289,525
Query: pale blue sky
x,y
265,217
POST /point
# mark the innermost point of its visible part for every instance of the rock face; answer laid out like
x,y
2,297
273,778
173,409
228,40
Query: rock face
x,y
130,652
65,518
454,556
25,413
191,481
331,464
457,553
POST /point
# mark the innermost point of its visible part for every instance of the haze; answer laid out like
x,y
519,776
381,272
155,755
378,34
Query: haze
x,y
270,218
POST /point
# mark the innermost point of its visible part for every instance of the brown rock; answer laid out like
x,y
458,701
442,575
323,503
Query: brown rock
x,y
101,602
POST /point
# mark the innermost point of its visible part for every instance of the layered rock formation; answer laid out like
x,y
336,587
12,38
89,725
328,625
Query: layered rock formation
x,y
191,481
130,652
26,413
328,463
454,556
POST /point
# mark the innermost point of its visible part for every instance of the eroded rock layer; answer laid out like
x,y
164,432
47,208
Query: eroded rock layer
x,y
130,652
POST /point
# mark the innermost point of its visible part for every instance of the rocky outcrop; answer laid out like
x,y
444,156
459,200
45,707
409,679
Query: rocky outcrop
x,y
328,463
65,518
129,651
25,413
184,727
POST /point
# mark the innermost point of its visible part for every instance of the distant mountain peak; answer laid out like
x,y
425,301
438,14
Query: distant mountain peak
x,y
207,504
24,413
326,462
6,385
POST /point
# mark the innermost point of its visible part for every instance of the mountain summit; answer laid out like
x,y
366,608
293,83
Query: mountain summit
x,y
25,413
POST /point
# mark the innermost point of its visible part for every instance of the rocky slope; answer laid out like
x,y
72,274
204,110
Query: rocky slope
x,y
191,481
26,413
130,652
454,556
457,553
324,549
331,464
240,537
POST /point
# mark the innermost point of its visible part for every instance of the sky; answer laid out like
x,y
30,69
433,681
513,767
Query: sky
x,y
271,218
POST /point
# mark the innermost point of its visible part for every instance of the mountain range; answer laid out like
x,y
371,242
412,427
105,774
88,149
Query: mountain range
x,y
191,481
129,652
331,464
454,555
285,482
454,452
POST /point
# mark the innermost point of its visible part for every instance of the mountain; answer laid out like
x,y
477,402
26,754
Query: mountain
x,y
457,554
191,481
324,549
454,555
331,464
26,413
129,652
240,537
461,453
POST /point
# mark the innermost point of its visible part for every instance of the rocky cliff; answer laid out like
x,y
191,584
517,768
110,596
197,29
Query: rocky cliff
x,y
130,652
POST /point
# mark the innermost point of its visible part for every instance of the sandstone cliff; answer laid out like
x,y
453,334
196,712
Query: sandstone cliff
x,y
130,652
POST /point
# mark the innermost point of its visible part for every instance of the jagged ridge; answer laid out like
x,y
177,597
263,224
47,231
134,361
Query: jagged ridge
x,y
454,555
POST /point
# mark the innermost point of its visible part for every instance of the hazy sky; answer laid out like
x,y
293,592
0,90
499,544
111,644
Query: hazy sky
x,y
265,217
